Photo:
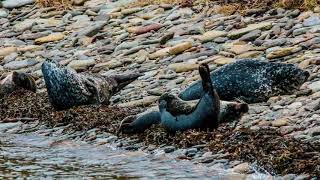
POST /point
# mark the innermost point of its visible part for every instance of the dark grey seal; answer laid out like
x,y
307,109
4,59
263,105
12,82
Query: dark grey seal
x,y
67,88
251,81
177,116
229,112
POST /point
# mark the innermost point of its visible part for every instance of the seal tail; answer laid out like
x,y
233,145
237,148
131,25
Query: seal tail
x,y
124,79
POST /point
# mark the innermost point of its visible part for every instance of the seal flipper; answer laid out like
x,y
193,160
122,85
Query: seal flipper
x,y
121,80
140,122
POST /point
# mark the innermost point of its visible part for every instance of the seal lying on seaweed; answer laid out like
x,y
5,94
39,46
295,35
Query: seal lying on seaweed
x,y
251,81
178,117
229,112
67,88
15,81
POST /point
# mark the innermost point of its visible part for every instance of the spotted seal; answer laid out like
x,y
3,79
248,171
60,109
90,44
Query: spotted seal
x,y
67,88
251,81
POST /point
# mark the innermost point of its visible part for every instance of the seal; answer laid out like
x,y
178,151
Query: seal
x,y
176,116
229,112
15,81
252,81
67,88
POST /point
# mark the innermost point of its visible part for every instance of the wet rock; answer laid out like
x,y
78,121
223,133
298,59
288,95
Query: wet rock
x,y
251,27
50,38
191,152
107,65
169,149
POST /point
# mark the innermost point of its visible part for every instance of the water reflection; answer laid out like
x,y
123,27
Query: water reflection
x,y
30,156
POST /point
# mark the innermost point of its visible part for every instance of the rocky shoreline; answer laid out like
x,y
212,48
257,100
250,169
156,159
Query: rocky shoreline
x,y
166,43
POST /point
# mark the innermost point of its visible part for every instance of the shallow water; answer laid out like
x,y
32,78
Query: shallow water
x,y
35,156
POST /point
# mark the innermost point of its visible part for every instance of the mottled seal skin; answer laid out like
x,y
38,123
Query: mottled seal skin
x,y
229,112
251,81
15,81
67,88
204,115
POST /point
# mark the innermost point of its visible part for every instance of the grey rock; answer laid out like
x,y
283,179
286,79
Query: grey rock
x,y
14,65
3,13
311,21
251,36
10,4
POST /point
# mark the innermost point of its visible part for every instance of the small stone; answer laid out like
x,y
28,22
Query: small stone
x,y
239,49
7,50
15,65
146,101
314,86
169,149
3,13
251,36
50,38
224,60
183,67
314,131
81,64
191,152
145,29
295,105
243,168
179,48
311,21
10,4
211,35
131,11
250,54
251,27
280,122
160,53
281,52
79,2
166,37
